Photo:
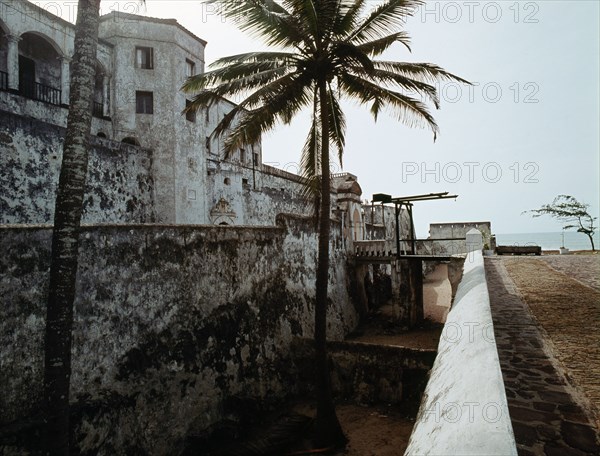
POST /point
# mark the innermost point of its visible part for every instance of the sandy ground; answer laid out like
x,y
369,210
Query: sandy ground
x,y
371,430
380,430
563,295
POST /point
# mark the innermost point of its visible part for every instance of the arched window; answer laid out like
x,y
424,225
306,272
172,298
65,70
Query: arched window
x,y
101,135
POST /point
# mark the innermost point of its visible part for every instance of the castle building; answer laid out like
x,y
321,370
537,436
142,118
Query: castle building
x,y
149,162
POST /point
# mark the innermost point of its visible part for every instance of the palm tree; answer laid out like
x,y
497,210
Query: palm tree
x,y
65,237
328,50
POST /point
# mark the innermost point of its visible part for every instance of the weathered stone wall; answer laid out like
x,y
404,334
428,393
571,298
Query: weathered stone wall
x,y
119,182
172,324
370,373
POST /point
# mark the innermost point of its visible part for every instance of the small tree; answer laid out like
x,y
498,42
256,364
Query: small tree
x,y
571,212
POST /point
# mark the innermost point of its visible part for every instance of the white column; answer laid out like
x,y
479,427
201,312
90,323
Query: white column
x,y
65,79
13,61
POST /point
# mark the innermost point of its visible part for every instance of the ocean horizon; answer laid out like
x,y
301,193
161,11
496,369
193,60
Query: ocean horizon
x,y
550,241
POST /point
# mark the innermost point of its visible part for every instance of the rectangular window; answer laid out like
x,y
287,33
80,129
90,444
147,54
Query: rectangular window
x,y
242,155
144,58
144,102
207,115
190,115
207,144
190,68
255,157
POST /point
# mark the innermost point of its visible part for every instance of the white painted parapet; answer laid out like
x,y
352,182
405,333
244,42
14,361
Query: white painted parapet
x,y
464,409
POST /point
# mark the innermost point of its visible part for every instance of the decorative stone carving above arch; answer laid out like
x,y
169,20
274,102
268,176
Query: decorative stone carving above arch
x,y
222,214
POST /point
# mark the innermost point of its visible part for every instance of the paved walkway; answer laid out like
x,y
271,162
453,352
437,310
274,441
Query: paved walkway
x,y
546,419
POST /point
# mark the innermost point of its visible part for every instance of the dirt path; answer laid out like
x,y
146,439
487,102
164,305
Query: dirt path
x,y
569,312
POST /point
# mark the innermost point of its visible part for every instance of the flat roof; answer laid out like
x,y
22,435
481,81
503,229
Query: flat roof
x,y
155,20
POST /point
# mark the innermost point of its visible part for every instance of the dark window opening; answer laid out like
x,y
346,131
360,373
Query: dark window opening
x,y
190,68
227,181
130,140
101,134
144,58
207,144
242,155
244,181
144,102
207,115
190,115
255,158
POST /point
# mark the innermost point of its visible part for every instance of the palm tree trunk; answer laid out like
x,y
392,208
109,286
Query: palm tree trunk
x,y
328,431
65,238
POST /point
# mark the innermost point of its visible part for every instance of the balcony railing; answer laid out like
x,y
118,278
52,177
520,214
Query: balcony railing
x,y
3,80
40,92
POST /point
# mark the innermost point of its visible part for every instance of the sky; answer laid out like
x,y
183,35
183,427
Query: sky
x,y
526,131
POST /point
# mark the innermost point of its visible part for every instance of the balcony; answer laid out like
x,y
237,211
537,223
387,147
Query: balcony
x,y
40,92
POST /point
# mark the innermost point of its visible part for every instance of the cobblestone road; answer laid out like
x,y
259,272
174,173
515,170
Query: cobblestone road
x,y
585,268
546,418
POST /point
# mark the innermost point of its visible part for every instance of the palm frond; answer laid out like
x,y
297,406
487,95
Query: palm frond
x,y
310,160
318,16
337,121
278,102
387,16
289,84
265,19
255,57
377,47
239,66
406,83
408,110
345,54
349,17
203,99
241,84
426,72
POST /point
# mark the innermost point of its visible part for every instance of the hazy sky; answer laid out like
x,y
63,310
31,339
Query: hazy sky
x,y
526,131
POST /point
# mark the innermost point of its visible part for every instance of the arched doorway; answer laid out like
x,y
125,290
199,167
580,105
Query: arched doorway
x,y
40,69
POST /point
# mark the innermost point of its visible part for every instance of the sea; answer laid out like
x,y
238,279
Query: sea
x,y
550,241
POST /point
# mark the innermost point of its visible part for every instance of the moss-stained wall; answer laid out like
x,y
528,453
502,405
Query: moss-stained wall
x,y
172,323
120,186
